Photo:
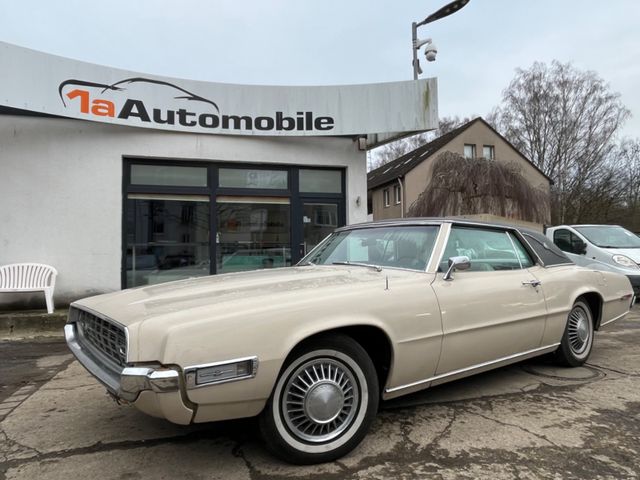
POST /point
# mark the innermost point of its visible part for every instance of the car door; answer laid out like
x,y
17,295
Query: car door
x,y
494,310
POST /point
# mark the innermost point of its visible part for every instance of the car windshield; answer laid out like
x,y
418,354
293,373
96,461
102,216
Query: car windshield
x,y
401,247
610,236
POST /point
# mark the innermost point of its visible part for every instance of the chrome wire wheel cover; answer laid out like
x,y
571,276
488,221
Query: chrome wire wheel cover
x,y
579,330
320,400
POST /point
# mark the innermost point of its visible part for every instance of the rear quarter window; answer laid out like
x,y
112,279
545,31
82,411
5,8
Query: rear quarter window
x,y
545,249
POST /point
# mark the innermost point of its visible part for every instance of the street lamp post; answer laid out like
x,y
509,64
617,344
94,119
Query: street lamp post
x,y
430,51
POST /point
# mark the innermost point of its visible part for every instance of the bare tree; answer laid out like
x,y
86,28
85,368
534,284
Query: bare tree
x,y
464,186
565,121
628,171
393,150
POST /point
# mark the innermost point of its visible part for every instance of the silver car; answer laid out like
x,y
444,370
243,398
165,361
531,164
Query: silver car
x,y
609,248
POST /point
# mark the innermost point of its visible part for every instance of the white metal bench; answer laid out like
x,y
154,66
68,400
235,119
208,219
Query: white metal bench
x,y
29,277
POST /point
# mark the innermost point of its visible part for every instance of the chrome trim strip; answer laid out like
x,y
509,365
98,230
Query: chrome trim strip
x,y
190,372
614,319
446,228
515,250
433,250
471,368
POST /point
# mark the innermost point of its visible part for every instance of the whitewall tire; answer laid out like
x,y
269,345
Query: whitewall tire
x,y
577,340
323,402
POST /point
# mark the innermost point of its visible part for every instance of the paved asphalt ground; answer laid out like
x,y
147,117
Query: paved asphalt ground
x,y
530,420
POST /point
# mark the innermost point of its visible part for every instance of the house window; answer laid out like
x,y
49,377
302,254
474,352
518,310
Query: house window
x,y
488,152
385,196
469,151
396,194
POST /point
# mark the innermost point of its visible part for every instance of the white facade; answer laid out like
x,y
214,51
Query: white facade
x,y
61,188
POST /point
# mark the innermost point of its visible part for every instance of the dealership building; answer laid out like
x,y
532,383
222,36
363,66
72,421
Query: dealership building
x,y
120,179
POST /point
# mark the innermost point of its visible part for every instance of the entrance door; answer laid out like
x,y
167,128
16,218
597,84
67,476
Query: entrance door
x,y
319,219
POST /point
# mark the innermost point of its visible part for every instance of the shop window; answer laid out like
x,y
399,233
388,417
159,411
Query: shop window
x,y
385,196
488,152
469,150
320,181
252,233
168,175
167,238
253,178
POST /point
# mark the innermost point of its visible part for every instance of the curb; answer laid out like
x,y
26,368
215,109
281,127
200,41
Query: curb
x,y
17,325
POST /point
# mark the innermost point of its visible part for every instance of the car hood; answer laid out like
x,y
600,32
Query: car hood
x,y
632,253
229,293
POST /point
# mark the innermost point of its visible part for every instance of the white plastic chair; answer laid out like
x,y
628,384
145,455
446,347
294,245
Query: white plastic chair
x,y
29,277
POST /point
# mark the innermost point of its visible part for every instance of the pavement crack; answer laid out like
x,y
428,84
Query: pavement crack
x,y
445,431
10,449
619,372
238,452
513,425
97,448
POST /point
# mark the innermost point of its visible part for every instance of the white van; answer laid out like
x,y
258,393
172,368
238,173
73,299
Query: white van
x,y
601,247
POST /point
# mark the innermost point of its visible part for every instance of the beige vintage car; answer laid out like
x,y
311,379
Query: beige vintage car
x,y
375,311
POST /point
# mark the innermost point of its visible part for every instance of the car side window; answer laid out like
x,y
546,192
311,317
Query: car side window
x,y
488,250
567,241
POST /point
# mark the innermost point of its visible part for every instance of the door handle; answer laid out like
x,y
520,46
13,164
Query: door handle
x,y
533,283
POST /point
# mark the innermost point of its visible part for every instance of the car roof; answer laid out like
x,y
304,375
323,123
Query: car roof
x,y
397,222
585,225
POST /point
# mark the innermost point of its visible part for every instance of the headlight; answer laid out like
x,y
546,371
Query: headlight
x,y
625,261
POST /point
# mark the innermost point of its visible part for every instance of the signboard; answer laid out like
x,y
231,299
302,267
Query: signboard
x,y
53,85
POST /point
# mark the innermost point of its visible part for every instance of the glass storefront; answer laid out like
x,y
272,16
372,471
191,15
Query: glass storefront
x,y
167,238
184,221
253,233
319,220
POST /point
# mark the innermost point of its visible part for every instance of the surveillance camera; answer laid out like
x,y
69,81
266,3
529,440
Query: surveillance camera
x,y
430,52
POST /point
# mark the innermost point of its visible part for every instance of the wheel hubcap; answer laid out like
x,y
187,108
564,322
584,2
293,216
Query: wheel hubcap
x,y
320,400
324,402
579,331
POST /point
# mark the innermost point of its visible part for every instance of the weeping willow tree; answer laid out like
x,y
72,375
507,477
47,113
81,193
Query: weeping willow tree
x,y
470,186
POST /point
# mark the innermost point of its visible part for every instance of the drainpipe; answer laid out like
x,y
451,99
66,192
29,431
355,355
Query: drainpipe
x,y
401,198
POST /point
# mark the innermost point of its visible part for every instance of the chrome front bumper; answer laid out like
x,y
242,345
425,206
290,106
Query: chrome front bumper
x,y
127,383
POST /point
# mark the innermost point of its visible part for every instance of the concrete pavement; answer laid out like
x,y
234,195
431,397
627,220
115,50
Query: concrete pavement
x,y
530,420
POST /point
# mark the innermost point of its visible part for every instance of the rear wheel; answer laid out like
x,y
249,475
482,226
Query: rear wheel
x,y
577,340
323,403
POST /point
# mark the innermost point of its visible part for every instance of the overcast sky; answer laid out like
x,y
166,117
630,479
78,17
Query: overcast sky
x,y
298,42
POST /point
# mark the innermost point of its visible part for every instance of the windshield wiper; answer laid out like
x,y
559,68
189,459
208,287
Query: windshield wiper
x,y
306,264
377,268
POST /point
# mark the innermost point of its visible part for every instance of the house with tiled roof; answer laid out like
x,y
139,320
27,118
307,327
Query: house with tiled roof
x,y
395,186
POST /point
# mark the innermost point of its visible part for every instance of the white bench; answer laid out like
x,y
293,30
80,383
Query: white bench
x,y
29,277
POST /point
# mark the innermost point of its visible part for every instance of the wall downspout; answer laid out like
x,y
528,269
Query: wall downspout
x,y
401,197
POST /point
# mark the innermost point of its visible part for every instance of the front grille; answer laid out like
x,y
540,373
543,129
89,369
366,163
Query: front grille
x,y
104,336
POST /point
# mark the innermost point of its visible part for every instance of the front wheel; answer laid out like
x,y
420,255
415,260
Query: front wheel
x,y
323,403
577,340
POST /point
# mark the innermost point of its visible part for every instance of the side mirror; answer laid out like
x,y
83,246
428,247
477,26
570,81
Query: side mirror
x,y
456,263
580,247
